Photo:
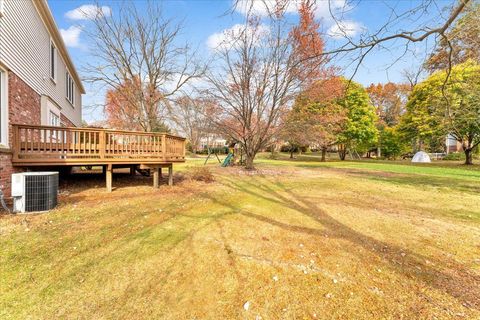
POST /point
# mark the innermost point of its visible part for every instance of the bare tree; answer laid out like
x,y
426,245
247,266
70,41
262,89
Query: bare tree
x,y
254,82
141,48
191,117
413,76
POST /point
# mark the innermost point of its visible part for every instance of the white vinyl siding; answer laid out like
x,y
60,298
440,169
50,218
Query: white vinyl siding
x,y
70,88
53,61
22,30
3,108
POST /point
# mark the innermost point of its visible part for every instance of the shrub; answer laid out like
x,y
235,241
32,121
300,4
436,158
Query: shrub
x,y
455,156
202,174
295,149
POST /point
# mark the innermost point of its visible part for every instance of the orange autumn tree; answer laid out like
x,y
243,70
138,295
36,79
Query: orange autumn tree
x,y
308,44
135,106
316,118
389,99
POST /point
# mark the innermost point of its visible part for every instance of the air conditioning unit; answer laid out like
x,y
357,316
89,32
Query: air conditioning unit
x,y
34,191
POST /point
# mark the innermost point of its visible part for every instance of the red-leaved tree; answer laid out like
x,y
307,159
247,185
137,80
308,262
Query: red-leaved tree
x,y
125,109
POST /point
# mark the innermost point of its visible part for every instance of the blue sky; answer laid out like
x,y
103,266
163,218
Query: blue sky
x,y
202,19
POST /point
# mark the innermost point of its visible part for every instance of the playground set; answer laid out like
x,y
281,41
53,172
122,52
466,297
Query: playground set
x,y
234,150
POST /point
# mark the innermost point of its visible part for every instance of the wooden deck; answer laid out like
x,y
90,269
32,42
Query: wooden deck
x,y
70,146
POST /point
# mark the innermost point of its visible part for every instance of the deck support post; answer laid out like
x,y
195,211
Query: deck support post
x,y
156,180
132,170
109,172
170,175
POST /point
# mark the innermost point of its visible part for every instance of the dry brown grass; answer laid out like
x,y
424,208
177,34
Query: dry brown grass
x,y
297,243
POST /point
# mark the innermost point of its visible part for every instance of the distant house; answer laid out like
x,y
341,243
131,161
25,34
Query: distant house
x,y
452,145
212,141
38,81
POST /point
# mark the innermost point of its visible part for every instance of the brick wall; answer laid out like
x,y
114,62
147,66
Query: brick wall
x,y
65,121
24,103
23,108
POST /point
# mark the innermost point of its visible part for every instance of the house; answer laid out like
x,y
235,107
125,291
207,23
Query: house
x,y
41,107
212,141
38,81
452,145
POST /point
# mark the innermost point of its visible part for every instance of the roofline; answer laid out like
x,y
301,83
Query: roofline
x,y
47,17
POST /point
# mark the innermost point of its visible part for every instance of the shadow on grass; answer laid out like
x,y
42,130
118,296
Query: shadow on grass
x,y
454,279
417,180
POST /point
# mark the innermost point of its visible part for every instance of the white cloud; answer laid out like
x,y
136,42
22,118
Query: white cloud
x,y
88,12
346,28
229,36
325,9
71,36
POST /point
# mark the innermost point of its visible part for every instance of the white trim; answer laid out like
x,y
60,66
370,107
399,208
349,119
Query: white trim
x,y
70,89
4,107
48,105
55,61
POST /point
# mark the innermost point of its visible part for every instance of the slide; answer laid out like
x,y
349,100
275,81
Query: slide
x,y
227,160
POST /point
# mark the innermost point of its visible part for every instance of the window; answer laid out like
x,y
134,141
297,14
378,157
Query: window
x,y
3,108
70,88
53,61
53,119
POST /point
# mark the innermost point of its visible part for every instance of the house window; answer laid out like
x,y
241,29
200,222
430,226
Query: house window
x,y
53,61
3,108
70,88
2,8
53,119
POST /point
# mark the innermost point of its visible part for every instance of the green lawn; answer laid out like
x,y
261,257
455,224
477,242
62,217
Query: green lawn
x,y
296,240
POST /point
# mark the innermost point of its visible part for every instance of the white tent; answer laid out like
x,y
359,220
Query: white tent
x,y
421,156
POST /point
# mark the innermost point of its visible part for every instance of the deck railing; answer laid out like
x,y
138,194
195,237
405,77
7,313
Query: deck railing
x,y
69,145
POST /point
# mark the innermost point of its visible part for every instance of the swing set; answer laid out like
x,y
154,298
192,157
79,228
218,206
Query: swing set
x,y
231,156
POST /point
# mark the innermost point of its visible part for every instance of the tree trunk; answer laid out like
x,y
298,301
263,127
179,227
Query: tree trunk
x,y
342,152
468,156
249,161
291,153
324,153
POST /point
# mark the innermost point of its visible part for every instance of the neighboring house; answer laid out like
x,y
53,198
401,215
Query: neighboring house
x,y
212,141
38,81
452,145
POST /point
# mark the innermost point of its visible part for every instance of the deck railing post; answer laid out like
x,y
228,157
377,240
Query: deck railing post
x,y
164,147
16,142
184,149
103,144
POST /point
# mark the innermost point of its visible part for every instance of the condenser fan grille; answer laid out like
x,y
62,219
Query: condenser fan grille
x,y
41,192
